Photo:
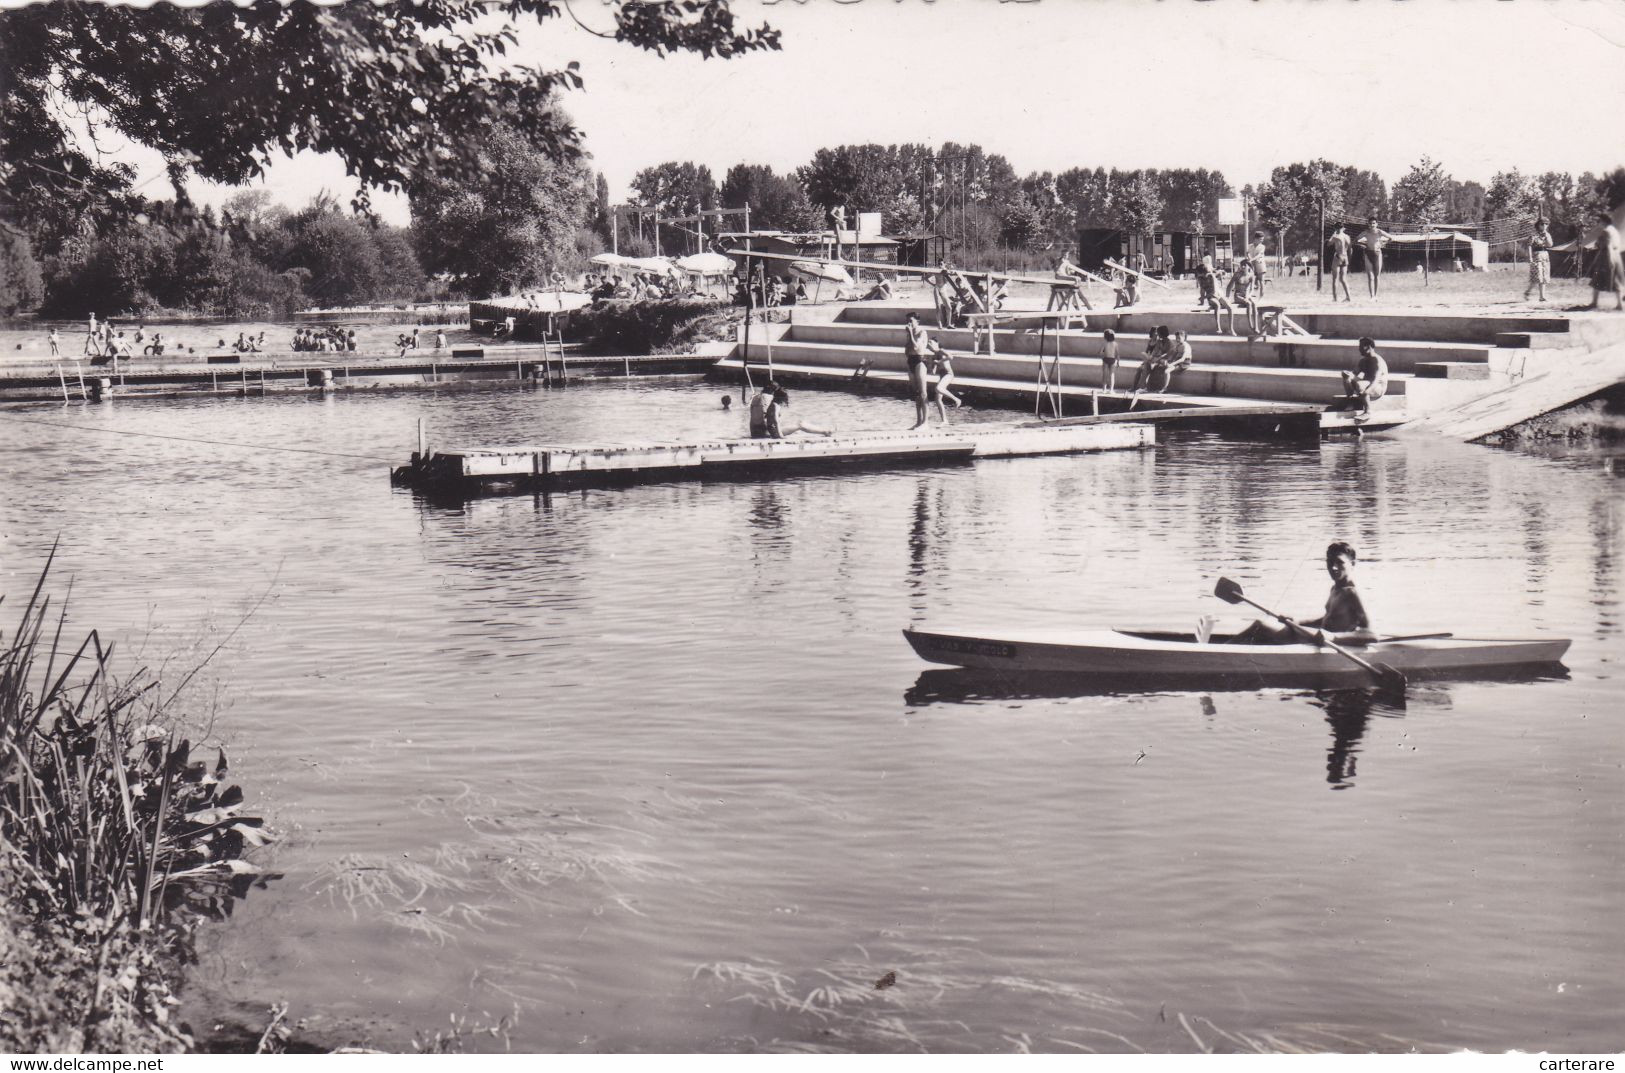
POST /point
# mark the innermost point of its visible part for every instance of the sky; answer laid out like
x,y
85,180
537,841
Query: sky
x,y
1478,85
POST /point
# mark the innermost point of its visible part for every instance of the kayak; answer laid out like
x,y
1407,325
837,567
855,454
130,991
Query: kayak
x,y
1177,656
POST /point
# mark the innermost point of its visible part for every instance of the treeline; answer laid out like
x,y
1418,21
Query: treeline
x,y
978,201
517,216
253,258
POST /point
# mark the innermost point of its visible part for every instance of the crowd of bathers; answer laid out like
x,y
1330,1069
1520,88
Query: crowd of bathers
x,y
322,340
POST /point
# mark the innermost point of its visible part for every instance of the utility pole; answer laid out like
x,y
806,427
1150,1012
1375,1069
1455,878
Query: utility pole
x,y
1320,259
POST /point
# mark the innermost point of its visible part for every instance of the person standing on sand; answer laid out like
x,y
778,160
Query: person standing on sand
x,y
1373,238
1608,274
915,347
1258,257
55,348
1341,243
1540,261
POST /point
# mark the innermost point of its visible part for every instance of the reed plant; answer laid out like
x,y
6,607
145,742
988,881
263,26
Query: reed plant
x,y
116,843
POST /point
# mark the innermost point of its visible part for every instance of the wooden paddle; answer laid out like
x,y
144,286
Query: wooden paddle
x,y
1231,593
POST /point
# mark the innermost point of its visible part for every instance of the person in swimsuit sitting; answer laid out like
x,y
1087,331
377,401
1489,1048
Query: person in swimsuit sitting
x,y
1369,380
778,424
759,403
1344,622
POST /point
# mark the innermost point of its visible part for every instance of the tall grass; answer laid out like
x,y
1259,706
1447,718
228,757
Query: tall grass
x,y
116,842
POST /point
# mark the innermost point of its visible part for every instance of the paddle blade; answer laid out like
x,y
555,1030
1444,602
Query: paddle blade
x,y
1228,591
1390,678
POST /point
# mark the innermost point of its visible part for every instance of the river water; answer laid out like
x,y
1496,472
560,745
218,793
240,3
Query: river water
x,y
653,768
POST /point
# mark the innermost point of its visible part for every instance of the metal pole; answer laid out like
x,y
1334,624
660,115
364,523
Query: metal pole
x,y
1320,259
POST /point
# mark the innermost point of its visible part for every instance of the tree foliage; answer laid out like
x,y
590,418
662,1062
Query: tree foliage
x,y
777,202
22,284
395,91
1511,195
1419,197
507,225
1290,203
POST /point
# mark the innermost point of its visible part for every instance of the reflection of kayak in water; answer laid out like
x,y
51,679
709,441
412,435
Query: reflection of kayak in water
x,y
1158,656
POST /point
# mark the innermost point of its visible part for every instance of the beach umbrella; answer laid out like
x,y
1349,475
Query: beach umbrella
x,y
612,260
659,265
815,271
706,264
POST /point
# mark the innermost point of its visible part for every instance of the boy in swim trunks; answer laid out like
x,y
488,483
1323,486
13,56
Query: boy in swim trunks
x,y
1343,622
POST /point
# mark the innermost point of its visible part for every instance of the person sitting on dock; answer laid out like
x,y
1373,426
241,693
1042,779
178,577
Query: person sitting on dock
x,y
942,367
759,403
1344,621
1368,381
915,347
780,427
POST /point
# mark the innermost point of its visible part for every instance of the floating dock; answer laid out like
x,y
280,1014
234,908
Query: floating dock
x,y
572,466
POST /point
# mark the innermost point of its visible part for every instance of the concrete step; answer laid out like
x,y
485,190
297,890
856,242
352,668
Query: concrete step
x,y
1452,370
1227,381
1536,340
1298,352
1480,329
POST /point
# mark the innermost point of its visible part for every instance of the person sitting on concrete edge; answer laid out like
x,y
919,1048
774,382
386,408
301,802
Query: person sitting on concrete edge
x,y
1368,381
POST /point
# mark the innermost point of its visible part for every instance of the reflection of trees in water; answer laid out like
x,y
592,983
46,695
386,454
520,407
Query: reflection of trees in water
x,y
1605,564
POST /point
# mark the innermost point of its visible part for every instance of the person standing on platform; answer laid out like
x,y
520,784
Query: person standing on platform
x,y
915,348
55,344
942,367
1108,362
1608,274
1373,238
1340,243
1540,260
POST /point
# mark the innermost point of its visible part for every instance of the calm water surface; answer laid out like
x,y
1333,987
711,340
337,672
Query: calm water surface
x,y
653,769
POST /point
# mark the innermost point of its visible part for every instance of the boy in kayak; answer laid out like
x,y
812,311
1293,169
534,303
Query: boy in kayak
x,y
1344,622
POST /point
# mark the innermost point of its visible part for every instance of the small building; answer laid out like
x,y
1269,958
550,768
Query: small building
x,y
1437,251
1165,253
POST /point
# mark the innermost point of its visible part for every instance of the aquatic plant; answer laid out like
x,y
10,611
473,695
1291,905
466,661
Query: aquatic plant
x,y
115,843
